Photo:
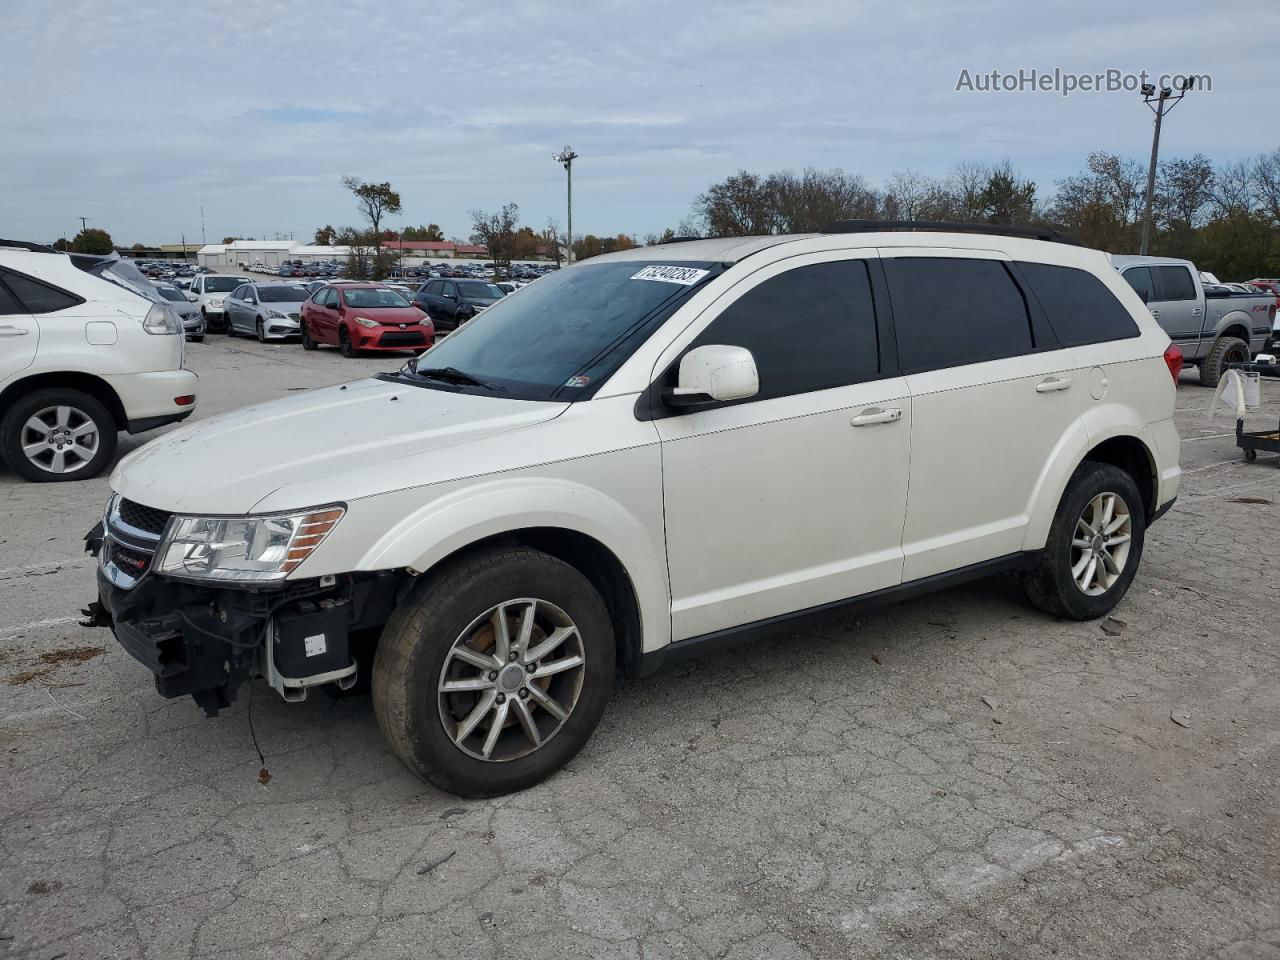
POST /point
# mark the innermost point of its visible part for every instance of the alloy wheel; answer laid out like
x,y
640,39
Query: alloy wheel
x,y
60,439
1100,544
511,680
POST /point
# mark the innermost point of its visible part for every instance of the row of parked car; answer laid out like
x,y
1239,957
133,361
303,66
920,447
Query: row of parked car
x,y
351,315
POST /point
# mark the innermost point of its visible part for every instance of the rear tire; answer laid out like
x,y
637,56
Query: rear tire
x,y
1226,350
417,652
79,463
1054,584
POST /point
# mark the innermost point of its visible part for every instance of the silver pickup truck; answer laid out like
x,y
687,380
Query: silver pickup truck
x,y
1212,324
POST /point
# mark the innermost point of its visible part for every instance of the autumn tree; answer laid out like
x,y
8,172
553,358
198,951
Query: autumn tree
x,y
431,233
496,232
325,236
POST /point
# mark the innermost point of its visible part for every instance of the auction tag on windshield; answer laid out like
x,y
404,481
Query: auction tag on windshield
x,y
685,276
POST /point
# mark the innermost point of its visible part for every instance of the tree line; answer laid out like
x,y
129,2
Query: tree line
x,y
1225,217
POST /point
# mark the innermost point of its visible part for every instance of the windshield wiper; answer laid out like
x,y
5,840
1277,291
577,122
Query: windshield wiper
x,y
451,375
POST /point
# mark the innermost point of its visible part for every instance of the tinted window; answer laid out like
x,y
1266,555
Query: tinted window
x,y
1079,306
1140,279
36,297
282,293
8,302
809,329
220,284
949,312
1175,283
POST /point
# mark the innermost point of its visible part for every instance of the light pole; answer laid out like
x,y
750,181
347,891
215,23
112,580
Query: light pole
x,y
566,158
1160,103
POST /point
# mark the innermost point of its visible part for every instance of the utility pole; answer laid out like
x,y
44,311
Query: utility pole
x,y
1160,103
566,158
83,224
203,241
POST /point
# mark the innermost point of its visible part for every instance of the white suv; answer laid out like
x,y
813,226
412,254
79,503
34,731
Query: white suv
x,y
641,456
208,291
87,348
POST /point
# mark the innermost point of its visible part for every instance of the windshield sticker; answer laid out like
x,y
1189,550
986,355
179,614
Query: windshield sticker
x,y
579,381
685,276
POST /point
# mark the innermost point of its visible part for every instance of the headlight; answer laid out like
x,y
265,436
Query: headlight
x,y
215,302
161,319
246,549
275,315
366,322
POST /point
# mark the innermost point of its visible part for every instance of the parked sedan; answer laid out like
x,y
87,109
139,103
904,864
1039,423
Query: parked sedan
x,y
363,316
193,321
451,303
268,311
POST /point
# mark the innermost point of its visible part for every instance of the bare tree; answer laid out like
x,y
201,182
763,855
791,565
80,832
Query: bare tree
x,y
742,205
554,238
375,201
904,194
496,231
1232,192
1266,184
808,202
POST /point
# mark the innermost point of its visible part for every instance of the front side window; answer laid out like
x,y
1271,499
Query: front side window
x,y
565,335
950,311
37,297
1175,283
811,328
1140,279
1079,306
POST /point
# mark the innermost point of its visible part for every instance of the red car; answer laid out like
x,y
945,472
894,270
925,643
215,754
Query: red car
x,y
363,316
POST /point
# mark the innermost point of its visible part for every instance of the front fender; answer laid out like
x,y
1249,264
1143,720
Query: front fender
x,y
475,512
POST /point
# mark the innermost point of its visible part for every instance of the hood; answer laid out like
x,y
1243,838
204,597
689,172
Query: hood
x,y
276,455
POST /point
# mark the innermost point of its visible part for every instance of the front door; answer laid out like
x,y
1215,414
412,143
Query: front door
x,y
793,498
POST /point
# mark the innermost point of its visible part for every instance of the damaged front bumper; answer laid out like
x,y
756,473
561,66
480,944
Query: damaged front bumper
x,y
206,641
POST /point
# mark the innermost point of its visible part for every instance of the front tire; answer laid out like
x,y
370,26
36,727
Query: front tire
x,y
56,435
1226,350
262,333
1094,545
307,342
344,343
228,327
493,673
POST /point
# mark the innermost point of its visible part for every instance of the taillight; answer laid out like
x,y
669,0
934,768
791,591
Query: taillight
x,y
1173,358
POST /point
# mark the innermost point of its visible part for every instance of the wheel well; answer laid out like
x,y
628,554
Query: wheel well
x,y
598,564
1131,455
1238,332
96,387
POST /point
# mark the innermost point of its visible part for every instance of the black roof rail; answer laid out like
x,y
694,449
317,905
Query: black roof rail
x,y
683,240
27,245
946,226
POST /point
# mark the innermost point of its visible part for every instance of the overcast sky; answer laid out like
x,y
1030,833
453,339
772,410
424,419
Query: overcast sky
x,y
133,114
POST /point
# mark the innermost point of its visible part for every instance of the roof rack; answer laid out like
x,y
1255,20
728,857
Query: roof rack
x,y
684,239
946,226
27,245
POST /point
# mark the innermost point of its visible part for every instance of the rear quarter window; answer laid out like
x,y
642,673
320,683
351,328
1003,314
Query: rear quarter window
x,y
1079,306
37,297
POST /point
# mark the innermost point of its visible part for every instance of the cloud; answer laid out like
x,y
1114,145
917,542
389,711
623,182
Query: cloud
x,y
136,116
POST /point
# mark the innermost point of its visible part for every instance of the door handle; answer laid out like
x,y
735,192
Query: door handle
x,y
12,331
1195,312
874,415
1156,314
1053,384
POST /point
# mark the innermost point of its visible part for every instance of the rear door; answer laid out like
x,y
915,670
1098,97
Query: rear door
x,y
1180,310
19,334
991,400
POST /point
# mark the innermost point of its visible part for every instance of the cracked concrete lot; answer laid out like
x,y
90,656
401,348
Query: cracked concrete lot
x,y
959,776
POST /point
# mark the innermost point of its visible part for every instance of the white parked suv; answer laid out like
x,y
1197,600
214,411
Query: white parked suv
x,y
208,291
639,457
88,347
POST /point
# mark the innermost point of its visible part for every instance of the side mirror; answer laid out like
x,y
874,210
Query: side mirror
x,y
193,297
714,374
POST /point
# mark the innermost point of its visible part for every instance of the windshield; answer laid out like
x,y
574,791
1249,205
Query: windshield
x,y
567,333
221,284
380,297
479,290
282,293
171,293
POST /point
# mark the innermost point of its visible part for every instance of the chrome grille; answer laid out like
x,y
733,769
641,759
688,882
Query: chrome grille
x,y
131,536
